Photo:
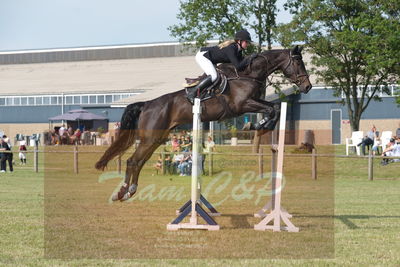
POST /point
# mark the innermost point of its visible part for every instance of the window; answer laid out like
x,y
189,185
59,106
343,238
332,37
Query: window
x,y
68,100
9,101
108,98
92,99
117,97
39,100
31,101
100,99
17,101
24,101
77,99
60,100
53,100
85,99
2,101
46,100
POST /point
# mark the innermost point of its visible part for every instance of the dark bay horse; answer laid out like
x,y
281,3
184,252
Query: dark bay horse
x,y
151,121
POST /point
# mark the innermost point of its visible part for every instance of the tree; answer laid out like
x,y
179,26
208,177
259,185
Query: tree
x,y
202,20
355,43
264,20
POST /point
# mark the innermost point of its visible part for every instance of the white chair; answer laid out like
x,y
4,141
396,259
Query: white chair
x,y
385,139
353,141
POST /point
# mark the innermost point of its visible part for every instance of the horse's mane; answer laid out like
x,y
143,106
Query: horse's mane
x,y
229,70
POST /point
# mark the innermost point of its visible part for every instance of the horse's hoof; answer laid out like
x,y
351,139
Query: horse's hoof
x,y
115,197
126,197
132,189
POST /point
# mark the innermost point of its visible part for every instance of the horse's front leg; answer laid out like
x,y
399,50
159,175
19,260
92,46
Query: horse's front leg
x,y
270,119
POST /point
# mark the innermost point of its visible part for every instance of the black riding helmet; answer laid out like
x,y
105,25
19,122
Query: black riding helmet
x,y
243,35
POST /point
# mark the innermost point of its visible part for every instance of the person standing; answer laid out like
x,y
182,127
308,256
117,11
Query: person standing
x,y
9,155
209,146
3,156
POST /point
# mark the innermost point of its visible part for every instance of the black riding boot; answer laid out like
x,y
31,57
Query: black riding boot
x,y
192,92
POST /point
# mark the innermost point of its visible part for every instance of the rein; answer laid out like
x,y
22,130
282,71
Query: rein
x,y
299,79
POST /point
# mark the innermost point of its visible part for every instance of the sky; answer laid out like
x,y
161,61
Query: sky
x,y
40,24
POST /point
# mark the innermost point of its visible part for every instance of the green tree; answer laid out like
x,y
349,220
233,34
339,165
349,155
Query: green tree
x,y
355,43
202,20
262,20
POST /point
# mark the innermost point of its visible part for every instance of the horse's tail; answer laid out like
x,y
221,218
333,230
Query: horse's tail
x,y
126,137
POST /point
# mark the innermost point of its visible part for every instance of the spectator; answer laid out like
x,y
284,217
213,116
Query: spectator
x,y
187,144
168,164
117,127
377,143
209,146
77,136
175,144
177,160
181,140
185,165
61,130
368,140
9,156
22,152
158,165
70,131
3,156
393,150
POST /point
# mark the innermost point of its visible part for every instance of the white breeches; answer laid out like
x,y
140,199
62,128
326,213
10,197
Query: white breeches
x,y
206,65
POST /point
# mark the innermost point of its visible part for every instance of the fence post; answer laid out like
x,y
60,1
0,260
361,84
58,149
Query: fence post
x,y
370,166
163,163
210,163
76,169
314,164
260,163
36,158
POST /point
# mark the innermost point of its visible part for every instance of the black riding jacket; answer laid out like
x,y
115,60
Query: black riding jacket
x,y
229,54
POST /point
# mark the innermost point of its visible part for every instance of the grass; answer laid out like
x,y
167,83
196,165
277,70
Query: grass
x,y
57,218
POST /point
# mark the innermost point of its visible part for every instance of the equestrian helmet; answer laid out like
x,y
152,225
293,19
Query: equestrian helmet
x,y
243,35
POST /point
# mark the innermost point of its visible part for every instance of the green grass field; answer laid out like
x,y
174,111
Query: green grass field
x,y
58,218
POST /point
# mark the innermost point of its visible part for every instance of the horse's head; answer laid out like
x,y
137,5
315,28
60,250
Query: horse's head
x,y
295,70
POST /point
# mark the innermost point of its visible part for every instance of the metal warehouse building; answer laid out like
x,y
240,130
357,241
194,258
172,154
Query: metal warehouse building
x,y
38,84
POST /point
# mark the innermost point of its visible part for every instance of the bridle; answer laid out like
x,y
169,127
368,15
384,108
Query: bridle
x,y
300,78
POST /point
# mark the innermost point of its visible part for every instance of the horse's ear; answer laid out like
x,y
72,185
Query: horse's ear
x,y
297,49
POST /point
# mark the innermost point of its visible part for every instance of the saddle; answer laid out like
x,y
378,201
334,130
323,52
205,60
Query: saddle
x,y
218,87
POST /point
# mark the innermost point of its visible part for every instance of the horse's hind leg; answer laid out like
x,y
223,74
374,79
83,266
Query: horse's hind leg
x,y
134,165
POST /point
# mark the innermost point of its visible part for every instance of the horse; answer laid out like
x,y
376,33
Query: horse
x,y
150,122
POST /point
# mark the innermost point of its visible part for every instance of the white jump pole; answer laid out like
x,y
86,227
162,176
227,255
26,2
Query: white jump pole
x,y
195,158
277,213
193,206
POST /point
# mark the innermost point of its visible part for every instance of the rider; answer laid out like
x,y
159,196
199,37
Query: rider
x,y
226,52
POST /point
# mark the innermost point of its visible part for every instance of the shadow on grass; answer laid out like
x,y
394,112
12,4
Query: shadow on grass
x,y
239,221
346,219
